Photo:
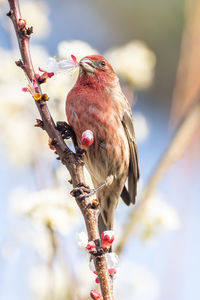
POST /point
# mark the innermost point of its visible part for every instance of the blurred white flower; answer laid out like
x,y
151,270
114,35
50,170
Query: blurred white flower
x,y
36,15
10,73
48,206
82,239
135,282
78,48
9,251
112,260
91,265
157,215
45,283
141,127
21,139
85,278
134,62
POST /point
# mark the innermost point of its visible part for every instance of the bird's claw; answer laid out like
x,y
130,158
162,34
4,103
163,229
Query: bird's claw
x,y
81,191
80,151
65,129
84,191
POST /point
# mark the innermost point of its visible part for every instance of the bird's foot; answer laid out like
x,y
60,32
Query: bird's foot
x,y
80,151
80,191
65,130
84,191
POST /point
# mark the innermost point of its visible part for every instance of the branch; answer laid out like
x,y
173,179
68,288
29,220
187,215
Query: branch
x,y
179,142
72,161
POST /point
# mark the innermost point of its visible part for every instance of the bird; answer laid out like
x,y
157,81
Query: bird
x,y
97,103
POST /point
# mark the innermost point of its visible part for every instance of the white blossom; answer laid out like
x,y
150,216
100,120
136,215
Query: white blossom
x,y
45,283
135,282
112,260
134,62
85,282
10,73
158,215
21,139
82,240
36,14
47,206
78,48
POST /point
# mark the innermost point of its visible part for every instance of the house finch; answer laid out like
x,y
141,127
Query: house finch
x,y
97,103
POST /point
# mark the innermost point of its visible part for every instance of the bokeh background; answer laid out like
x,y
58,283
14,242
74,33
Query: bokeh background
x,y
154,47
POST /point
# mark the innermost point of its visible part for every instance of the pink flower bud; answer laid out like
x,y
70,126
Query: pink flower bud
x,y
87,139
97,280
22,23
25,89
107,239
112,271
91,246
95,295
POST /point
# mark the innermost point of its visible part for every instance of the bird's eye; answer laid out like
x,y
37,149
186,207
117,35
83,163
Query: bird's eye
x,y
103,63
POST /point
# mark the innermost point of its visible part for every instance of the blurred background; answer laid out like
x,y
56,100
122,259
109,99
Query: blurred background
x,y
154,47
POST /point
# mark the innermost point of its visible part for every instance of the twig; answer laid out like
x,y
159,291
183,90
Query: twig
x,y
175,149
187,77
72,162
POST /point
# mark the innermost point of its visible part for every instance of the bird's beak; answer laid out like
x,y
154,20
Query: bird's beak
x,y
87,65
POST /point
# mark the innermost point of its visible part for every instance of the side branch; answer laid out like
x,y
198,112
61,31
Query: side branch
x,y
72,161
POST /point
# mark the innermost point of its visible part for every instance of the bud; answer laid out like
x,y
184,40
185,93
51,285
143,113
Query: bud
x,y
97,280
39,123
95,295
45,97
87,139
37,96
44,76
95,203
25,89
91,246
112,271
22,23
50,143
107,239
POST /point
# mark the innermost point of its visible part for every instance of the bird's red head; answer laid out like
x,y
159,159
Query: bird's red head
x,y
97,67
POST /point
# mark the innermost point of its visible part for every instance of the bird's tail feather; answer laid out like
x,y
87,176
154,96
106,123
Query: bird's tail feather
x,y
102,225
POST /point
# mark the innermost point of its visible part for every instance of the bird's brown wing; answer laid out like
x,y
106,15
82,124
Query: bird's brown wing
x,y
133,173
